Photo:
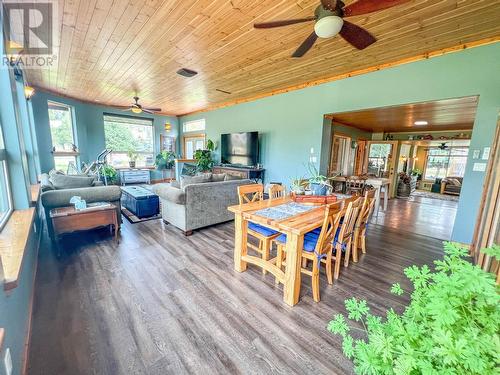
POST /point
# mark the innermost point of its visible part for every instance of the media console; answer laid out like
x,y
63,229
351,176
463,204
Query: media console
x,y
255,174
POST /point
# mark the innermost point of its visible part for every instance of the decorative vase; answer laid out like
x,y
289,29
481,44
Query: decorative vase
x,y
404,189
318,189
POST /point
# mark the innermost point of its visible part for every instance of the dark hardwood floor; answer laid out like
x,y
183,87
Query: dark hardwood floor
x,y
420,215
162,303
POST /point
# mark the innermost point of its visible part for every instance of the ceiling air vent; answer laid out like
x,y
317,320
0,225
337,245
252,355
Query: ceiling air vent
x,y
186,72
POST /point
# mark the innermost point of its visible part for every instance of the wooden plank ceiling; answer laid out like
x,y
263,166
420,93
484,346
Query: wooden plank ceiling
x,y
448,114
108,50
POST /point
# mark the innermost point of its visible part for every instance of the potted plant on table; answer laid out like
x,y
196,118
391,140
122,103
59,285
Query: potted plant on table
x,y
132,158
450,326
298,186
318,184
109,175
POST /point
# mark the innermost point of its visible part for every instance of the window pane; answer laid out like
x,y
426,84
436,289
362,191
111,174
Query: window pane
x,y
450,162
61,127
378,159
189,149
193,126
124,135
66,164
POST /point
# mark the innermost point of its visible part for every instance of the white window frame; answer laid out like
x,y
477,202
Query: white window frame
x,y
194,126
3,162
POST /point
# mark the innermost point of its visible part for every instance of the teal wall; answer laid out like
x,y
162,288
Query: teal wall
x,y
291,123
89,127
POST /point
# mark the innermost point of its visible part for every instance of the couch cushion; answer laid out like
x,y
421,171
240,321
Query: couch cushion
x,y
60,198
218,177
175,184
186,180
60,181
170,193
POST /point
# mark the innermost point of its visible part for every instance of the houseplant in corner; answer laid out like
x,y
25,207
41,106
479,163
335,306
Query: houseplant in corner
x,y
451,325
165,160
204,159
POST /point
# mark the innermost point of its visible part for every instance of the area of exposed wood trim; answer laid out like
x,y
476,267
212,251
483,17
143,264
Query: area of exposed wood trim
x,y
34,193
375,68
13,245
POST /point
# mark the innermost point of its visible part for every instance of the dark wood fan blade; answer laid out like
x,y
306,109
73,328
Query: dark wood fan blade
x,y
369,6
151,109
121,106
329,4
306,45
269,25
357,36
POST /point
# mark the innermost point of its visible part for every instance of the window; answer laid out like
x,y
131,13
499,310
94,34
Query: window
x,y
379,159
130,139
5,196
63,137
446,163
193,143
193,126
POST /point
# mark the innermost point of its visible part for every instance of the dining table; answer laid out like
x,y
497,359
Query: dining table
x,y
294,224
378,183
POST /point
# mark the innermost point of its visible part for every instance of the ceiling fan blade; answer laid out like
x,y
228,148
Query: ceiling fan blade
x,y
306,45
121,106
357,36
329,4
369,6
148,110
151,109
269,25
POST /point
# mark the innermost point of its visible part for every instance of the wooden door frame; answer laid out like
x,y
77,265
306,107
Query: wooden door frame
x,y
340,135
392,166
486,230
193,135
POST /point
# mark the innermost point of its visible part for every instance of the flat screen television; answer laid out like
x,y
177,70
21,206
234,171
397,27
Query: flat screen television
x,y
240,148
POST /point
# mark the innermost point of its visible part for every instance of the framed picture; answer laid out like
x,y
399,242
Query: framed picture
x,y
167,143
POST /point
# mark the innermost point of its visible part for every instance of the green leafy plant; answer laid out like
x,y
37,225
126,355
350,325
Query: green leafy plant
x,y
451,325
110,173
165,160
298,185
132,156
204,161
416,172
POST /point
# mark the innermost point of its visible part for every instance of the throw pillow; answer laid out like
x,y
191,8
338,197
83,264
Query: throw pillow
x,y
54,172
188,170
231,178
218,177
186,180
60,181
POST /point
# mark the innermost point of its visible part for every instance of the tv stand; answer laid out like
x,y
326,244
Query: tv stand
x,y
250,173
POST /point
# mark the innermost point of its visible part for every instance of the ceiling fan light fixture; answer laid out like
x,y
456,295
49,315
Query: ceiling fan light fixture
x,y
421,123
136,110
328,27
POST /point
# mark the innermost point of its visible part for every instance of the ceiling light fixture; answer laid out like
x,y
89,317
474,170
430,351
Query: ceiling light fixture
x,y
421,122
328,26
136,110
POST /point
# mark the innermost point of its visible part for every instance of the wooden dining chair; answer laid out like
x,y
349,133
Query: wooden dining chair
x,y
276,191
318,247
253,193
355,185
359,239
344,239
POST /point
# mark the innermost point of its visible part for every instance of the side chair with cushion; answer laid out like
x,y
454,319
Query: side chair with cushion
x,y
359,239
318,247
253,193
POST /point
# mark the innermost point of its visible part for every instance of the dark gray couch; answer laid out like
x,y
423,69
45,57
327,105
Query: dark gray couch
x,y
198,205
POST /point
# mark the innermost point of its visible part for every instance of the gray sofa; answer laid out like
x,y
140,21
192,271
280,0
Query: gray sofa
x,y
197,205
58,190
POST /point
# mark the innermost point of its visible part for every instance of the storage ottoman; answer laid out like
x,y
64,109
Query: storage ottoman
x,y
140,201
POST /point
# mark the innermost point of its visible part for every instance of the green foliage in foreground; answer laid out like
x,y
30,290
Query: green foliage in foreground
x,y
450,327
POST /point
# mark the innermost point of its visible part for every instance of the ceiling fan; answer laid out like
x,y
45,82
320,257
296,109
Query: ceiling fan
x,y
329,17
137,108
442,146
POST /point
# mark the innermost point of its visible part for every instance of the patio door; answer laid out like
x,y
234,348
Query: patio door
x,y
381,160
193,143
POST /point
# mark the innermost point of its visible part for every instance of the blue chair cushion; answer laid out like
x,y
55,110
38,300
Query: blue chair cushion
x,y
261,229
310,239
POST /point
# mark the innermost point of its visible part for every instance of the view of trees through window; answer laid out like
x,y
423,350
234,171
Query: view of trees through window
x,y
62,134
450,162
378,159
130,139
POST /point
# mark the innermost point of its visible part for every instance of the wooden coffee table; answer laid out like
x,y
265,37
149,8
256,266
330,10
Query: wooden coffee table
x,y
68,220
